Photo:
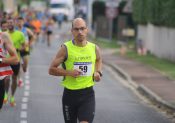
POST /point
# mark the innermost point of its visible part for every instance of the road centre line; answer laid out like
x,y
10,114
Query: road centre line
x,y
27,87
23,121
26,93
23,114
25,99
24,106
26,77
27,82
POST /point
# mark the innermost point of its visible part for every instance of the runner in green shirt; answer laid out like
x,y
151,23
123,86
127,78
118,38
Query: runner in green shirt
x,y
82,64
18,40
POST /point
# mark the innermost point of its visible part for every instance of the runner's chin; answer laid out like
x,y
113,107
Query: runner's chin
x,y
80,38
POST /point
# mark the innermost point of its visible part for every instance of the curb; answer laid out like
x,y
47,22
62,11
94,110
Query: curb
x,y
122,73
156,99
143,89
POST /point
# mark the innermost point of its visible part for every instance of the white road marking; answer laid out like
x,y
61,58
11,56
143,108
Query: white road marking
x,y
25,99
23,114
24,106
23,121
27,87
26,77
27,82
26,93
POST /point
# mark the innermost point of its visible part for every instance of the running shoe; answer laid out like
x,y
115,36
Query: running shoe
x,y
5,98
20,83
12,101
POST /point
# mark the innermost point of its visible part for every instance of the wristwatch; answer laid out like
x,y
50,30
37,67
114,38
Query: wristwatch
x,y
100,73
0,60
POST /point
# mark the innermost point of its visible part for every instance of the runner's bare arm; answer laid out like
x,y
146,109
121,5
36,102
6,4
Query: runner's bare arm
x,y
98,65
58,71
31,34
13,59
23,46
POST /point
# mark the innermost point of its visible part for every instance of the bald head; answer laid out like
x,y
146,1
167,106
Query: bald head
x,y
77,21
79,30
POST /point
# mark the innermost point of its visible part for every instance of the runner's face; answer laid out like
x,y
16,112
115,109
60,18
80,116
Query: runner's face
x,y
79,30
20,23
4,27
11,24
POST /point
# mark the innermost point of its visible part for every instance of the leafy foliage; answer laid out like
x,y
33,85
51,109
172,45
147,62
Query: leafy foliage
x,y
157,12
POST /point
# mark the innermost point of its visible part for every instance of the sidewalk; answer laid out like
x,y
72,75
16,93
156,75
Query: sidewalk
x,y
148,81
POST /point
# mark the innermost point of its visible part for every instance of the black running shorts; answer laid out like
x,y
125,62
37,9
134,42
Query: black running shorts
x,y
2,92
78,105
15,69
24,53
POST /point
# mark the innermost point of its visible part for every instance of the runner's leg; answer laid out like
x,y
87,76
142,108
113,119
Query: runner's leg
x,y
2,92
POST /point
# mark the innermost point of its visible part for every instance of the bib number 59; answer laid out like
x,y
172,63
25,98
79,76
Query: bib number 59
x,y
83,68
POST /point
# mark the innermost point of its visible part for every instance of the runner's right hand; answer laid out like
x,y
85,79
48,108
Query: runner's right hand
x,y
75,73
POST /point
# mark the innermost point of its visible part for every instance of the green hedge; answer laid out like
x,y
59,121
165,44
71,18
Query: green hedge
x,y
1,5
157,12
139,11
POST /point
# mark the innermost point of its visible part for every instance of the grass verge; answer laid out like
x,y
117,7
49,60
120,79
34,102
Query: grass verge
x,y
105,43
166,67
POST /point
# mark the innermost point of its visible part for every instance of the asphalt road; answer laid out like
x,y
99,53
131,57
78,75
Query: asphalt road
x,y
39,100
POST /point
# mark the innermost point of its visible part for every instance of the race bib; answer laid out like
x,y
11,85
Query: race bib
x,y
85,67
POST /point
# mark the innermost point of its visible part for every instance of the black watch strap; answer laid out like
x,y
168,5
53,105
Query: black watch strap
x,y
100,73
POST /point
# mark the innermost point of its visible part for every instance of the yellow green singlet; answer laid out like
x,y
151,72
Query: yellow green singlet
x,y
82,58
18,39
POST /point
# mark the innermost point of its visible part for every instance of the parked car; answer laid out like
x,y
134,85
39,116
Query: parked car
x,y
64,7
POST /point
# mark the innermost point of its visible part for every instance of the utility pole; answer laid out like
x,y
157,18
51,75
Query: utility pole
x,y
111,13
89,15
76,6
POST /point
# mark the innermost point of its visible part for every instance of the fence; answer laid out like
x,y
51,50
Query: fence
x,y
160,41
